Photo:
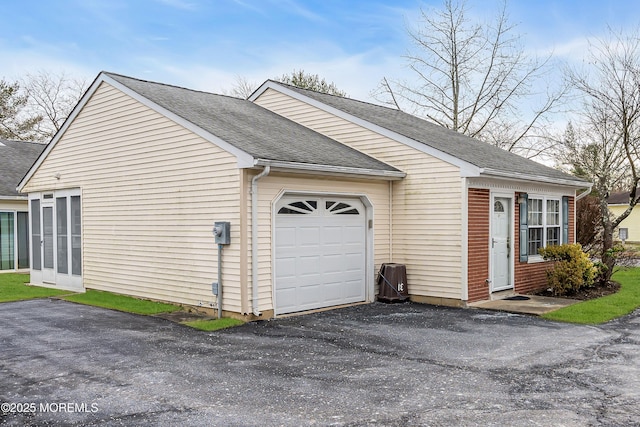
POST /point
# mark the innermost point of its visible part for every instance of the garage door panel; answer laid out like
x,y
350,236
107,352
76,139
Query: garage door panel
x,y
332,264
287,298
332,235
352,234
286,267
308,236
320,254
353,261
309,265
287,238
352,290
311,294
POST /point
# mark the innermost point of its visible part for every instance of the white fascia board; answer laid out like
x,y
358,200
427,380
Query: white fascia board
x,y
466,169
14,198
577,184
329,170
244,158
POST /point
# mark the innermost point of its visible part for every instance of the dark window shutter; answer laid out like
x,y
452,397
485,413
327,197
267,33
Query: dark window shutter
x,y
524,228
565,219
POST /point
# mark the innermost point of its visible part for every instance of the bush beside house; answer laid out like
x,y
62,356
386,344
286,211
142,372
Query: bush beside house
x,y
572,269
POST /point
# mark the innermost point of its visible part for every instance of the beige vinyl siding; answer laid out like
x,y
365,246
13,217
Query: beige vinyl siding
x,y
632,222
272,186
151,191
427,221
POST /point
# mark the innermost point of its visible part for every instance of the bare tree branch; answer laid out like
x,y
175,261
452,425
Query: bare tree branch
x,y
15,121
606,147
53,97
474,77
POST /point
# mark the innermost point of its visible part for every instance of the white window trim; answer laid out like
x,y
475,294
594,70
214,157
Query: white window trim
x,y
535,258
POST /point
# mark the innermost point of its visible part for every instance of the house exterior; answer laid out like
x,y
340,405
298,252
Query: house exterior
x,y
629,228
16,157
318,190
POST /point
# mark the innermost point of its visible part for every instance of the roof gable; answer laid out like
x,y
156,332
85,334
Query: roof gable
x,y
474,157
16,157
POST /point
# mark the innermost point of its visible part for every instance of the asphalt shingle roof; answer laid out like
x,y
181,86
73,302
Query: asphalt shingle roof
x,y
16,157
470,150
621,197
251,128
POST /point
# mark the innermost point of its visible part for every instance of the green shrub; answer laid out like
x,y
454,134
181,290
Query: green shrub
x,y
572,269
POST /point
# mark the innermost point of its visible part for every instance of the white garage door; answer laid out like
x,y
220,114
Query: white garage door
x,y
319,253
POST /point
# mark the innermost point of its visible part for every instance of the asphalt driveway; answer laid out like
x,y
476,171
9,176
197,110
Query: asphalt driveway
x,y
67,364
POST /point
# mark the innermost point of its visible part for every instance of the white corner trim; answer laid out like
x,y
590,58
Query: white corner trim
x,y
466,169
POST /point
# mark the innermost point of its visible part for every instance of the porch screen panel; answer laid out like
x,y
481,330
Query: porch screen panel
x,y
76,237
7,239
23,239
47,236
36,238
61,233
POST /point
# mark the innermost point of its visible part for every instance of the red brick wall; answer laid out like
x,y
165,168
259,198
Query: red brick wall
x,y
572,221
478,245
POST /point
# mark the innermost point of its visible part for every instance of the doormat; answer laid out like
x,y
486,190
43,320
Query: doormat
x,y
518,298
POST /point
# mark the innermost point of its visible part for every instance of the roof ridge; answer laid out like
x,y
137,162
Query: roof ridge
x,y
108,73
338,96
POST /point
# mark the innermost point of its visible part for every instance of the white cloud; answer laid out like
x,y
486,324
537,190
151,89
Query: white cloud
x,y
357,75
25,62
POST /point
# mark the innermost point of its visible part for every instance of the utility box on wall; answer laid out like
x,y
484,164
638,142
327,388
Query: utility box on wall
x,y
222,232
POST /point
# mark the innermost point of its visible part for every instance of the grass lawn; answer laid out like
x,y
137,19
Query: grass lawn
x,y
603,309
13,288
122,303
214,324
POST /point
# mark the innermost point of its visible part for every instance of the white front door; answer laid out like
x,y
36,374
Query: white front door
x,y
500,244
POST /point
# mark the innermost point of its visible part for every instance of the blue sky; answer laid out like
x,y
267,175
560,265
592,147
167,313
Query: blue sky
x,y
205,44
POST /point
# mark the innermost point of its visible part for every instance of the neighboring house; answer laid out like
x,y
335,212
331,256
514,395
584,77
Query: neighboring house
x,y
16,157
629,228
319,191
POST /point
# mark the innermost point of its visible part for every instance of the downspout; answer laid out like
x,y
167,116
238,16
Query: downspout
x,y
390,221
583,194
254,237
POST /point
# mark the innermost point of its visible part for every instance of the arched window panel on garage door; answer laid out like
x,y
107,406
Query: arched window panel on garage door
x,y
301,207
340,208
